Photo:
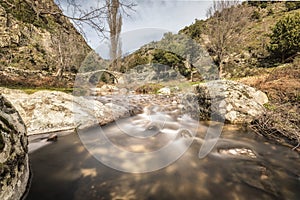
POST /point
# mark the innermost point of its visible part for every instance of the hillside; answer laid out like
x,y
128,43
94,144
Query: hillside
x,y
248,61
251,62
176,51
35,46
250,56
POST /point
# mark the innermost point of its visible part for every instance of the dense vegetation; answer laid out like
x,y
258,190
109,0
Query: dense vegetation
x,y
22,11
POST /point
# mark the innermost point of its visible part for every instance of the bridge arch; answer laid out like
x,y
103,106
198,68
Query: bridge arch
x,y
92,75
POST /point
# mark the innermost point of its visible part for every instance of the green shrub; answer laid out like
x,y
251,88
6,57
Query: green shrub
x,y
264,4
255,15
270,11
285,37
194,30
270,106
261,4
135,61
292,5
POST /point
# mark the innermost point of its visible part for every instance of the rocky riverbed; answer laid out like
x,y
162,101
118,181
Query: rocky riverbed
x,y
51,111
48,111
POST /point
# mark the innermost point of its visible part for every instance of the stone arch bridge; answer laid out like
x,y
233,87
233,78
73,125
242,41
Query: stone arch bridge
x,y
89,77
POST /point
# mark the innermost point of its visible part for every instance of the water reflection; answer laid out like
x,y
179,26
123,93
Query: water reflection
x,y
65,170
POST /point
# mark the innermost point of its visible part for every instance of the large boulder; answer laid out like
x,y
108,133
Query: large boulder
x,y
229,101
14,170
49,111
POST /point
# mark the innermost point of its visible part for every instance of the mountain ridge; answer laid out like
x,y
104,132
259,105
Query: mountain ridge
x,y
35,46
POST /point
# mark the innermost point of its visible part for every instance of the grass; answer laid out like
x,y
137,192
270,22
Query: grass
x,y
182,85
174,85
282,119
270,106
33,90
149,88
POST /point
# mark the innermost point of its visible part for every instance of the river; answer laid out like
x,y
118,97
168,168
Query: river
x,y
242,165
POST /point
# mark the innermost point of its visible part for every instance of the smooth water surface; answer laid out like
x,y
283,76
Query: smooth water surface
x,y
240,166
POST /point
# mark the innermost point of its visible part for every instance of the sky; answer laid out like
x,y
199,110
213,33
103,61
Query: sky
x,y
150,20
169,14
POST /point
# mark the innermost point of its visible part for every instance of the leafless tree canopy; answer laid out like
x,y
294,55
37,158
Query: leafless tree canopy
x,y
81,13
226,21
95,15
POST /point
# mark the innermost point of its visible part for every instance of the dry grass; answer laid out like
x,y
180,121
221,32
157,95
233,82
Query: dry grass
x,y
150,88
282,119
280,124
32,82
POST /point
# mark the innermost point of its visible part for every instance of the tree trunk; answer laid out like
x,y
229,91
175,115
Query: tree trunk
x,y
220,70
115,24
60,70
282,57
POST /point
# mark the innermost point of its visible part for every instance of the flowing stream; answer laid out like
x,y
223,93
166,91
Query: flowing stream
x,y
241,165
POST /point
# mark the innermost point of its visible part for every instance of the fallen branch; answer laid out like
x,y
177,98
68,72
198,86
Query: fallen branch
x,y
278,125
75,129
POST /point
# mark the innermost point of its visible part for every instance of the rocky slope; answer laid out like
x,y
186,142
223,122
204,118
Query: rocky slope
x,y
14,171
186,51
35,45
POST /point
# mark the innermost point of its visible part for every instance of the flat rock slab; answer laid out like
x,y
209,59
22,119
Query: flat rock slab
x,y
51,111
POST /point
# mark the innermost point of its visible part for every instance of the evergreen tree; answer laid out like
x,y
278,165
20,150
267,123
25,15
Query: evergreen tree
x,y
285,38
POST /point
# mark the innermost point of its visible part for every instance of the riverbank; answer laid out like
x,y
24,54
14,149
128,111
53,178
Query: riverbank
x,y
47,111
281,122
51,111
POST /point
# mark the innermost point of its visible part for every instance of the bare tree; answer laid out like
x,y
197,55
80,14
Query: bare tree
x,y
226,20
95,16
110,11
114,20
63,45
